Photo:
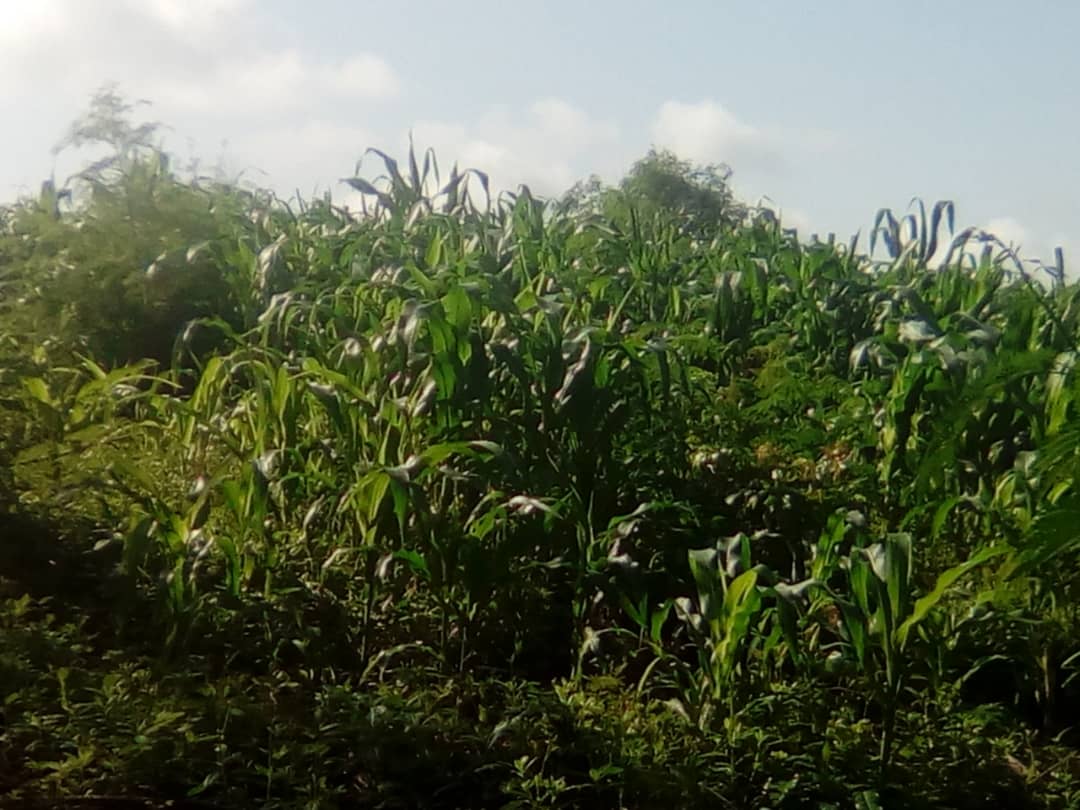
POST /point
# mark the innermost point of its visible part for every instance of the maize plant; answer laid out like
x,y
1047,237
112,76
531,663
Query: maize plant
x,y
502,434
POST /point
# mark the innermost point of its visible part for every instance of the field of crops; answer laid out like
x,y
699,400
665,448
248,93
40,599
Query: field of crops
x,y
632,498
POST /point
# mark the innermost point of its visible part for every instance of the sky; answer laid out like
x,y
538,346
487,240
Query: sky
x,y
828,110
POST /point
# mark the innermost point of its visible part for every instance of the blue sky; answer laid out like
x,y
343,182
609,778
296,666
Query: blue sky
x,y
829,109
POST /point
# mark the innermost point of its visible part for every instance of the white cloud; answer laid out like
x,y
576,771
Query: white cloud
x,y
69,43
188,14
204,80
366,75
1035,246
276,84
570,126
706,132
185,55
1043,250
1009,230
542,147
763,158
303,157
35,40
20,21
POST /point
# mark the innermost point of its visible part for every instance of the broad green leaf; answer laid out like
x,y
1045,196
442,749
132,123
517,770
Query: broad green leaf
x,y
458,307
703,567
944,582
740,591
897,576
39,390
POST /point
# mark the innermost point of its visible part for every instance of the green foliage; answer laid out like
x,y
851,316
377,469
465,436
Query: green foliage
x,y
627,499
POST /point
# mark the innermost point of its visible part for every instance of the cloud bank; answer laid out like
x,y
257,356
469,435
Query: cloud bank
x,y
288,117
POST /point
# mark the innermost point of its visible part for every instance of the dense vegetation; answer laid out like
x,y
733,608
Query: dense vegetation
x,y
629,499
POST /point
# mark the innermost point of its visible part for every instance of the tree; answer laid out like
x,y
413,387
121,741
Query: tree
x,y
661,183
78,275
